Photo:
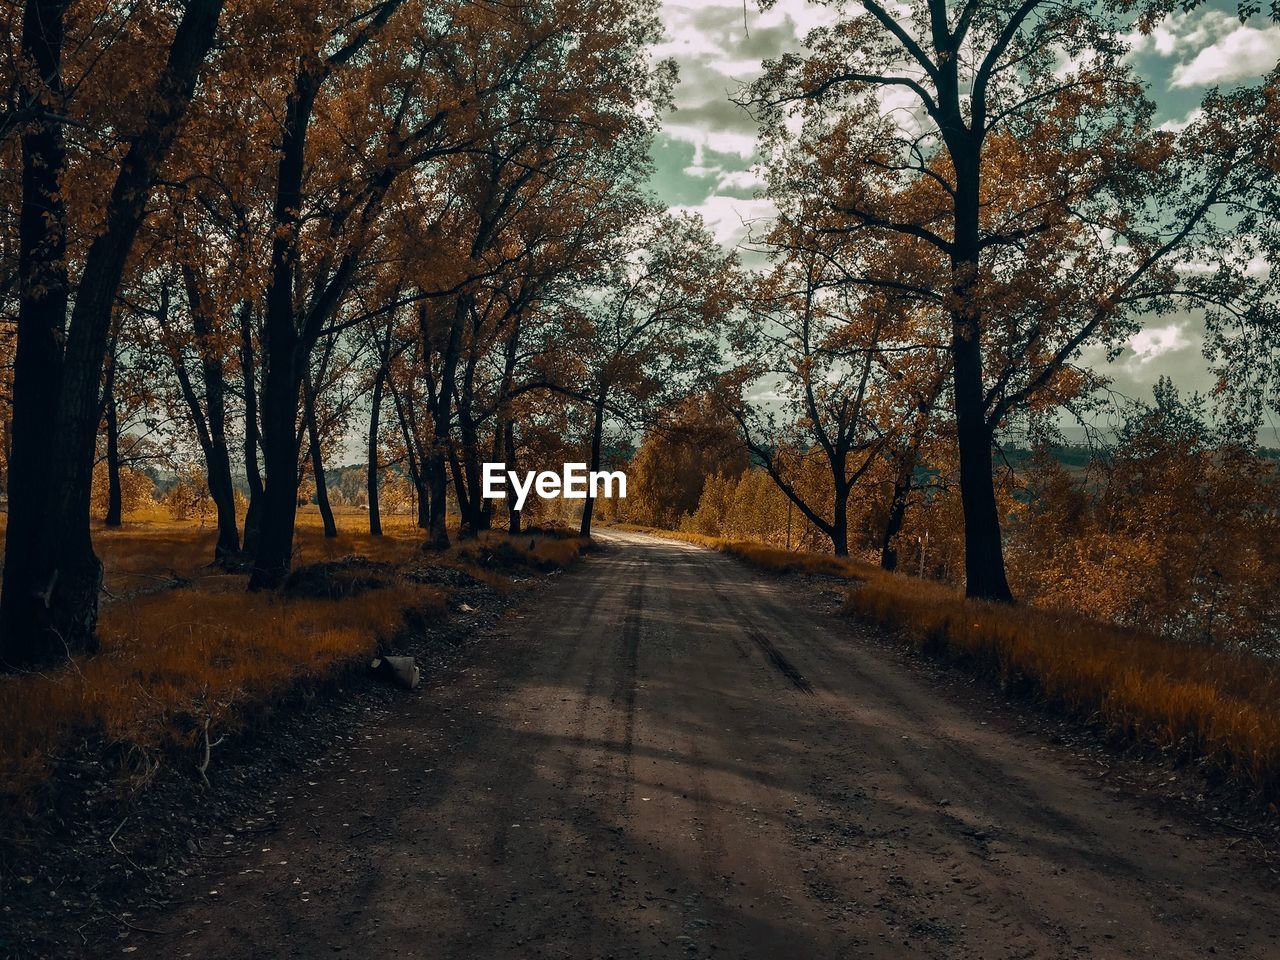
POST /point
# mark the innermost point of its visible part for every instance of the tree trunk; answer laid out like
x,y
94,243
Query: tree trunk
x,y
513,515
984,551
904,476
437,484
114,505
37,368
435,465
471,503
280,457
840,522
223,493
221,487
371,484
253,473
597,439
49,608
983,546
461,493
422,494
903,480
210,421
317,460
893,523
504,431
6,452
284,351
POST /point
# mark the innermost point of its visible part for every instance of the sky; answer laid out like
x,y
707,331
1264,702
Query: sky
x,y
705,153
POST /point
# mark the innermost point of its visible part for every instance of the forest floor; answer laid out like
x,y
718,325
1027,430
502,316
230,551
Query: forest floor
x,y
668,754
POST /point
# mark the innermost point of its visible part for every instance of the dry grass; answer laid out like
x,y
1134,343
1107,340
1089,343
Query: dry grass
x,y
172,661
1192,701
180,665
1195,702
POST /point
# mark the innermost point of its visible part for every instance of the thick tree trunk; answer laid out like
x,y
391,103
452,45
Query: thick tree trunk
x,y
437,483
115,507
317,460
49,608
284,351
423,495
840,525
471,502
597,440
371,482
984,550
280,457
42,309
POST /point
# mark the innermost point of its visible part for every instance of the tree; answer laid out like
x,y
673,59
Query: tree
x,y
683,448
49,604
1026,167
648,333
131,421
1131,539
206,349
841,363
434,97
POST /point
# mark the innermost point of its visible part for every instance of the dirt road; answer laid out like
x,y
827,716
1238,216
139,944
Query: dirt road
x,y
674,756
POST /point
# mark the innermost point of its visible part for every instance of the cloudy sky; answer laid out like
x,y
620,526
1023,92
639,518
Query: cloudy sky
x,y
706,151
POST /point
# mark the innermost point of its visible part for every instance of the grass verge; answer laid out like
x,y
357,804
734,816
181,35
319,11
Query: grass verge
x,y
180,667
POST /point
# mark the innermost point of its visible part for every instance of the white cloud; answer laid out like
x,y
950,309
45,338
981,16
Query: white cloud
x,y
1244,52
740,180
1184,32
731,219
699,171
1211,46
721,141
1177,126
1154,342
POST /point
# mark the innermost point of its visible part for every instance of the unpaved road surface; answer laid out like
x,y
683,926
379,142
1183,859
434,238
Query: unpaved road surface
x,y
674,756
